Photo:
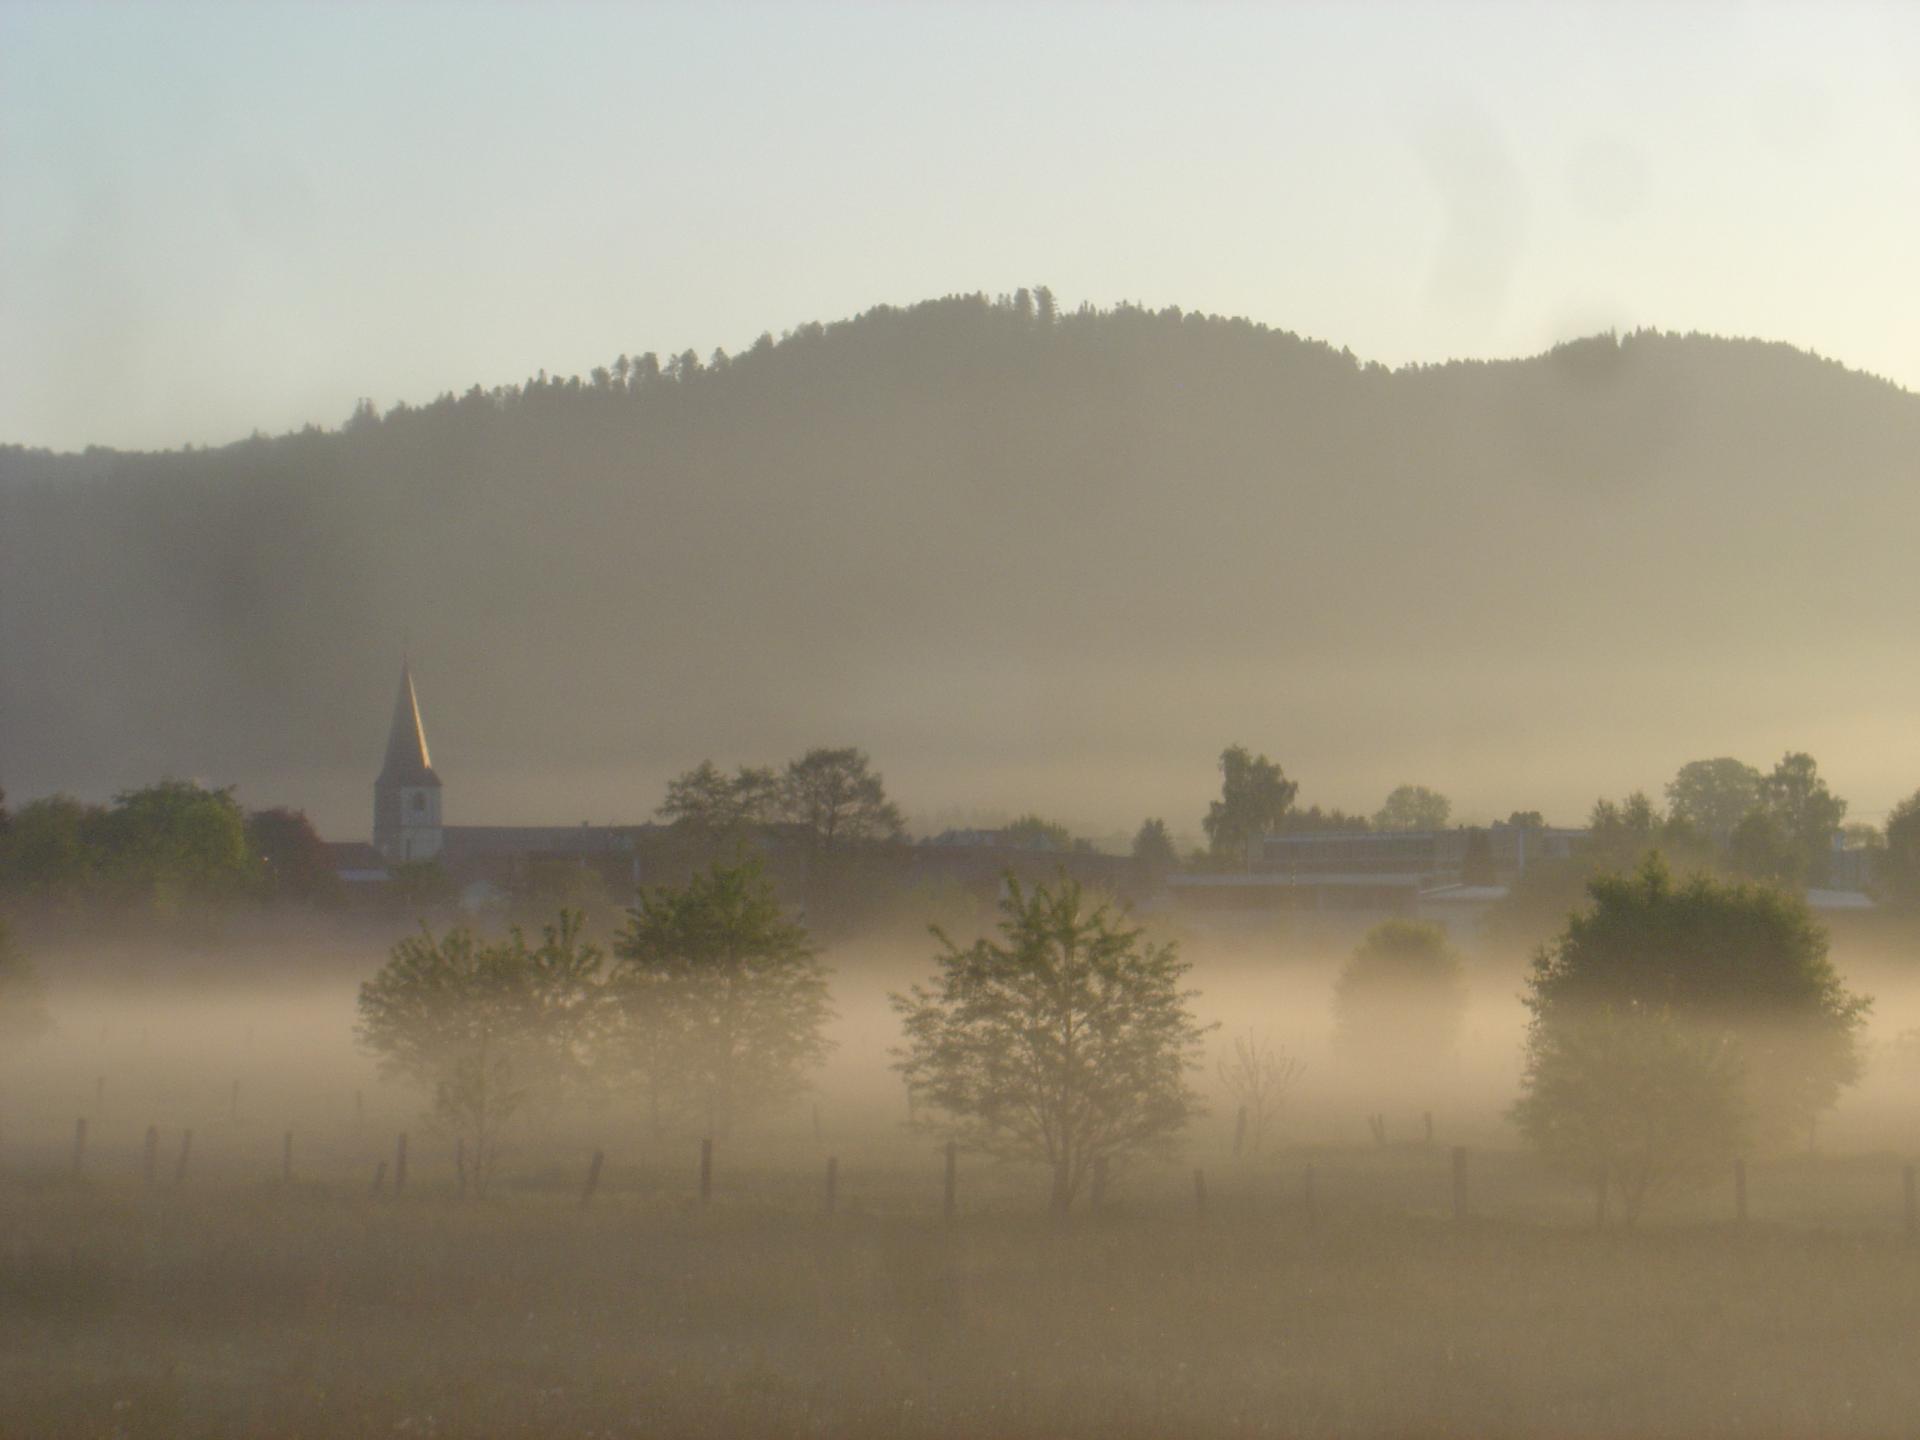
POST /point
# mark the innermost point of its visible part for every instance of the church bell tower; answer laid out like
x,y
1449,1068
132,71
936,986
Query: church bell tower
x,y
406,797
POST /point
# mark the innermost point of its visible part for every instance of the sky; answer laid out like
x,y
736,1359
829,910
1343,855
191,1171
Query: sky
x,y
217,219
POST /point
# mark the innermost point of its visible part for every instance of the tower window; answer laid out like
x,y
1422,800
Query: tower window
x,y
419,803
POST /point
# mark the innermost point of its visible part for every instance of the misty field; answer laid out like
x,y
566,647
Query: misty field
x,y
269,1290
222,1306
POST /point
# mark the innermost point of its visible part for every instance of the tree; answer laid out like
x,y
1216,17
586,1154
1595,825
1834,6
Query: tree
x,y
1401,996
723,1000
1713,796
1413,807
177,848
293,860
1258,1078
838,799
712,806
1066,1042
487,1028
1760,849
1734,962
52,855
1897,868
1154,852
1806,809
1527,820
1254,797
1629,1100
1032,832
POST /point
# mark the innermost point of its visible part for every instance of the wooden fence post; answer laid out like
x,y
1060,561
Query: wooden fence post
x,y
1426,1121
1740,1190
1098,1197
286,1158
400,1165
706,1169
79,1146
1912,1208
1459,1182
952,1196
150,1156
460,1166
593,1178
186,1153
1199,1192
379,1177
833,1182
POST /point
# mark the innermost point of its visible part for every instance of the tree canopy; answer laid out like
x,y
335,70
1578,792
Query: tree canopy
x,y
722,999
1413,807
1065,1042
1254,799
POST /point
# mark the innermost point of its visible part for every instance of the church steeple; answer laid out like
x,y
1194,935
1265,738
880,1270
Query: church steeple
x,y
407,759
406,797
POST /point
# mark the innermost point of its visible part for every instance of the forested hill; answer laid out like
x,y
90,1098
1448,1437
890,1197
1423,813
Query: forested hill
x,y
973,535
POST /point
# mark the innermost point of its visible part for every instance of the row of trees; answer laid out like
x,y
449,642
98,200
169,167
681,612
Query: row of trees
x,y
166,852
1673,1025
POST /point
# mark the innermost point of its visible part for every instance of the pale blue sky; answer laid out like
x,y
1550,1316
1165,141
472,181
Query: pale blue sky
x,y
217,218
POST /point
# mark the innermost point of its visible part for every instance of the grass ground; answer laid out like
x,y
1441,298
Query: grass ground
x,y
253,1308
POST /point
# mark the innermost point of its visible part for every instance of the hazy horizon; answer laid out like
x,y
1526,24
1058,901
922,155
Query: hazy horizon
x,y
224,219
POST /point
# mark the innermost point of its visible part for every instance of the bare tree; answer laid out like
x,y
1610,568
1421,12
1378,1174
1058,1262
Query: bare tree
x,y
1258,1077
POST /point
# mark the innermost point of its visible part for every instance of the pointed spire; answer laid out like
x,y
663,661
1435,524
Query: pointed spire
x,y
407,759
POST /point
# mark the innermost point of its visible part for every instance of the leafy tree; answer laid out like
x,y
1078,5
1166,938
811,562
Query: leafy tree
x,y
1742,962
1527,820
1254,799
1413,807
1154,851
1760,849
487,1028
838,798
1630,1100
712,806
1897,868
1067,1041
293,860
1314,820
723,999
177,847
1258,1079
1401,996
1713,796
52,855
1806,809
1032,832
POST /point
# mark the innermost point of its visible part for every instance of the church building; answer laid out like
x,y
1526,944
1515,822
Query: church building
x,y
406,797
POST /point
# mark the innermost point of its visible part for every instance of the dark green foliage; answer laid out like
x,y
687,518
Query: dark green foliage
x,y
1713,796
839,800
487,1028
1035,832
1740,962
715,808
1628,1099
722,1001
1413,807
294,863
1401,997
1254,799
1153,848
1066,1041
1808,812
1897,868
